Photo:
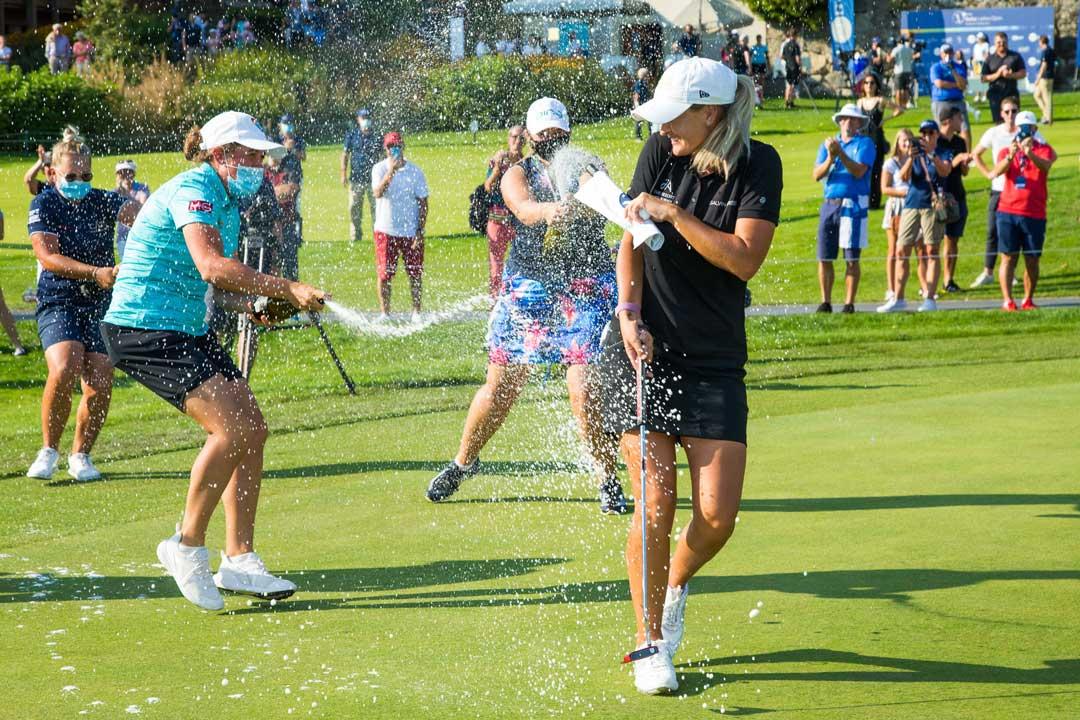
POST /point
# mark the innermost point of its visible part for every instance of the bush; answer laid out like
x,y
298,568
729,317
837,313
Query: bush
x,y
807,15
497,91
39,104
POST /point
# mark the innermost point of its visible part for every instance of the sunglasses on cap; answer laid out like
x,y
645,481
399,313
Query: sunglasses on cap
x,y
72,177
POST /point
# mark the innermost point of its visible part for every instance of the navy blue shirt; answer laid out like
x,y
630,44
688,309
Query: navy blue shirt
x,y
85,230
641,89
918,194
366,150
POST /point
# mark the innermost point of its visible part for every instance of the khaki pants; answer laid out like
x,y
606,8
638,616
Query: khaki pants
x,y
357,191
1044,98
914,221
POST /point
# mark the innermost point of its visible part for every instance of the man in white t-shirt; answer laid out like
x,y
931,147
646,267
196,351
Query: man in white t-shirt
x,y
401,208
903,58
979,52
995,140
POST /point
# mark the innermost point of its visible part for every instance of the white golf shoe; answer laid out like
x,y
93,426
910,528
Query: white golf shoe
x,y
82,468
655,675
247,575
190,568
44,464
673,624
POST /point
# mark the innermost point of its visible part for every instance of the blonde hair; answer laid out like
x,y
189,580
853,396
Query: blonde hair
x,y
69,133
725,145
74,147
902,133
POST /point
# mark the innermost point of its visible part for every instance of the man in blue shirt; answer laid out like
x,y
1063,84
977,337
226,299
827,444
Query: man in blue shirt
x,y
363,149
844,162
948,81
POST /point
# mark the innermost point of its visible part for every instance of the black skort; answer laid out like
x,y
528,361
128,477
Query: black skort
x,y
793,76
680,402
170,363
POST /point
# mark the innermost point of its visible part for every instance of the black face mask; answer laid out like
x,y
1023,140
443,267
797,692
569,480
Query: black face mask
x,y
546,149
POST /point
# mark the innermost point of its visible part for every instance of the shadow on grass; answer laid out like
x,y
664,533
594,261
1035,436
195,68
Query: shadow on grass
x,y
49,587
892,584
885,670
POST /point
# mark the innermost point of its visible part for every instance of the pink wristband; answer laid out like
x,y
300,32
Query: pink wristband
x,y
632,307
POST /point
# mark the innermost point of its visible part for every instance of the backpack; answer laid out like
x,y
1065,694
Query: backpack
x,y
478,209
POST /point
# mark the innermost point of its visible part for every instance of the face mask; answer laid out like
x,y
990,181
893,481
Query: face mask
x,y
247,181
74,190
395,153
365,124
285,128
546,149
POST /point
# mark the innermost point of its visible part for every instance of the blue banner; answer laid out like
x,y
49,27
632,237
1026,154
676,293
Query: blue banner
x,y
958,27
841,28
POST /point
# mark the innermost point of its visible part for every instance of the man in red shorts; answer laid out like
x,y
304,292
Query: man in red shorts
x,y
401,208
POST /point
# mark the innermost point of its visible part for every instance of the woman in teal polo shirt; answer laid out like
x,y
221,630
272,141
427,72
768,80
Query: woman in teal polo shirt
x,y
179,253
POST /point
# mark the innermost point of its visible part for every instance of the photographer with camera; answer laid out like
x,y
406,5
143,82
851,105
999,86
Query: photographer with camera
x,y
71,229
925,171
179,252
1021,216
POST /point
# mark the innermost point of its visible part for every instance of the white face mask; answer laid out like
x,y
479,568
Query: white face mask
x,y
365,123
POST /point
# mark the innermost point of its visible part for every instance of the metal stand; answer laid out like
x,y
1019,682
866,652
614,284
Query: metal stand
x,y
248,332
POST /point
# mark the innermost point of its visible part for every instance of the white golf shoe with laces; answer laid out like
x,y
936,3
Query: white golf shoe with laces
x,y
674,620
247,575
44,464
190,567
82,468
655,675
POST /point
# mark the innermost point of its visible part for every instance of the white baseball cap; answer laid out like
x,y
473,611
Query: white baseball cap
x,y
546,113
1026,118
850,110
234,127
125,165
689,82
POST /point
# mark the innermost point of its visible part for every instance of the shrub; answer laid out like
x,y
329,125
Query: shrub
x,y
39,104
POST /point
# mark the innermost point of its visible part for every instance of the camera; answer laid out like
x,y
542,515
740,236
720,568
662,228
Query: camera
x,y
1026,131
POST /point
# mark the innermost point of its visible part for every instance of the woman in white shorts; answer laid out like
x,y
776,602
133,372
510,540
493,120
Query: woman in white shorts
x,y
894,189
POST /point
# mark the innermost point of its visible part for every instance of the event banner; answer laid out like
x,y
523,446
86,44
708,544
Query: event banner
x,y
958,26
842,29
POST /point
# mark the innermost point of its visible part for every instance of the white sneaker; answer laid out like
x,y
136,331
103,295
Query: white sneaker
x,y
928,305
655,675
922,293
81,467
190,568
673,624
894,305
984,278
415,318
44,464
889,295
246,574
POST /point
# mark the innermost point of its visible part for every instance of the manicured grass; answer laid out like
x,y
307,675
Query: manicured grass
x,y
908,523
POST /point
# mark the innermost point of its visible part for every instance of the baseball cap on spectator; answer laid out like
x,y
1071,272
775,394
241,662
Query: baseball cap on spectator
x,y
980,35
125,165
286,118
945,48
363,112
235,127
1026,118
928,125
546,113
391,139
57,27
689,82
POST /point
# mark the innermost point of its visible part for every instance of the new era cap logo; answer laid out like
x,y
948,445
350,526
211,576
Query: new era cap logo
x,y
702,93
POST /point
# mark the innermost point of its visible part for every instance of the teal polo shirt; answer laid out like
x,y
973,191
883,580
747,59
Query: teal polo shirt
x,y
158,286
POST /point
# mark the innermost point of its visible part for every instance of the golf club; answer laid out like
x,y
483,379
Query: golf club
x,y
650,649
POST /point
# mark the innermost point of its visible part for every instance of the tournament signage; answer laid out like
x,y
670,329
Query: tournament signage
x,y
958,26
842,30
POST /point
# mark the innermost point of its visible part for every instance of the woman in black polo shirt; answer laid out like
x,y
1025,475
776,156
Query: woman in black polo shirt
x,y
715,195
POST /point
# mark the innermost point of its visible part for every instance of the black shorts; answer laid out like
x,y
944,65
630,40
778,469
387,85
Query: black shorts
x,y
170,363
902,81
793,76
759,68
680,402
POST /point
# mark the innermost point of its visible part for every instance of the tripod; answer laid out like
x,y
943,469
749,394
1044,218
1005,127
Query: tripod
x,y
248,332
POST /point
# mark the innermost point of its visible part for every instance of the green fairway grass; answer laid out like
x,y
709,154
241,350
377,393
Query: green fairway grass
x,y
908,533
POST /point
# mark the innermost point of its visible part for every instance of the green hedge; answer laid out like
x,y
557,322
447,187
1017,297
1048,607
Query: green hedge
x,y
497,91
116,114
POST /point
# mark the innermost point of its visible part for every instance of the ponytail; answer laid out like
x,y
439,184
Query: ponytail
x,y
192,151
